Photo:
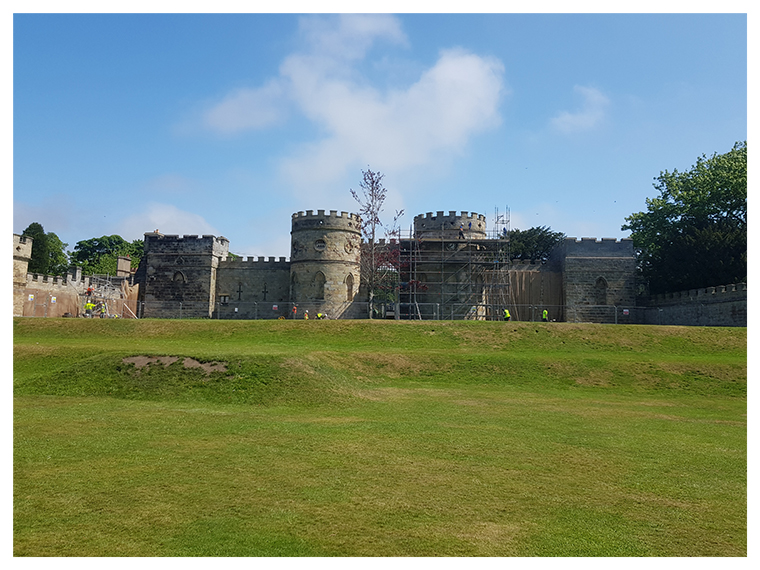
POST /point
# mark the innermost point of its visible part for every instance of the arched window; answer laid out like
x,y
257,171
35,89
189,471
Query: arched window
x,y
319,285
600,291
350,287
179,277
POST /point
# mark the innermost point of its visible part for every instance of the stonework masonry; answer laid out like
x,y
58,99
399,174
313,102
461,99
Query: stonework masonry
x,y
57,296
181,270
190,276
597,275
325,260
713,306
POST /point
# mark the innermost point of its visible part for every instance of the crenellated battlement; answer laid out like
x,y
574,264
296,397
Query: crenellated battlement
x,y
187,244
447,226
255,262
708,293
452,217
333,221
592,247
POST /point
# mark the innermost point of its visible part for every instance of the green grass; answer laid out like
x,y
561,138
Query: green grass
x,y
358,438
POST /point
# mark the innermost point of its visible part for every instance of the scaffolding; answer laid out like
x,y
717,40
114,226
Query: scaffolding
x,y
457,275
104,293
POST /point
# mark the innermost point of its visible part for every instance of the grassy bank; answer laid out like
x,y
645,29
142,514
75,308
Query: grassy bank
x,y
357,438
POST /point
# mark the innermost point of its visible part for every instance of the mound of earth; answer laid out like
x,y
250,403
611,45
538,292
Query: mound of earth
x,y
207,367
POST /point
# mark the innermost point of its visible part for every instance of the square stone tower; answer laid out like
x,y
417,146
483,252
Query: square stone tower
x,y
180,275
598,276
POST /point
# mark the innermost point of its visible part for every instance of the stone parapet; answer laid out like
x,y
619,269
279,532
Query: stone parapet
x,y
438,225
591,247
333,221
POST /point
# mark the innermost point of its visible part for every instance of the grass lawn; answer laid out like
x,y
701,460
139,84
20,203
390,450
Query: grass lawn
x,y
378,438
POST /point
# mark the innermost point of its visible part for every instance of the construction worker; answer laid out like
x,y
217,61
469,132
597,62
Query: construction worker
x,y
89,306
306,315
461,231
320,316
295,310
507,316
545,316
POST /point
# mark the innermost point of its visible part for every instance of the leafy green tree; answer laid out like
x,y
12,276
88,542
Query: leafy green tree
x,y
59,258
534,244
97,256
694,234
48,251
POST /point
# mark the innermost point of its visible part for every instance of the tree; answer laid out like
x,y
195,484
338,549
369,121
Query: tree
x,y
97,256
534,244
694,234
48,251
379,266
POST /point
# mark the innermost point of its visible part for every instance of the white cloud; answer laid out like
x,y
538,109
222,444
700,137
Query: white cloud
x,y
167,219
394,129
592,112
349,36
400,129
246,109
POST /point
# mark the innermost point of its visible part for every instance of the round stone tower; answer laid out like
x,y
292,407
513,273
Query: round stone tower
x,y
325,260
439,226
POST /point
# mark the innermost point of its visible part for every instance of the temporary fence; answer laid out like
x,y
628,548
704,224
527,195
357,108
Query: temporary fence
x,y
46,305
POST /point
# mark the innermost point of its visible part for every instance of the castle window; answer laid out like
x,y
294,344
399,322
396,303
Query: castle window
x,y
319,284
350,287
179,277
600,291
224,299
320,245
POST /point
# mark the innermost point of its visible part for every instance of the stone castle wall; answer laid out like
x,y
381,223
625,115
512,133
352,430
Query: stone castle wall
x,y
596,276
250,288
725,305
56,296
585,280
180,274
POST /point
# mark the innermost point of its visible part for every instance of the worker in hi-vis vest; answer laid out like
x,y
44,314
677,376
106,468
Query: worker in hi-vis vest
x,y
507,316
545,316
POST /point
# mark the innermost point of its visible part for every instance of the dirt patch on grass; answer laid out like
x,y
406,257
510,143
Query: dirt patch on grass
x,y
143,361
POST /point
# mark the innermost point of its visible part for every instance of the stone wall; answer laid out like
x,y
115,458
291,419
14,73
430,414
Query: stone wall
x,y
723,306
598,275
251,288
180,274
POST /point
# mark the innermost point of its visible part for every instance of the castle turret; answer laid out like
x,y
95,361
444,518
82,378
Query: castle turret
x,y
22,255
439,226
325,260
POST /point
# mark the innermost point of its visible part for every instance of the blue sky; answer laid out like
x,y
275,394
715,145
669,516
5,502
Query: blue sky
x,y
226,124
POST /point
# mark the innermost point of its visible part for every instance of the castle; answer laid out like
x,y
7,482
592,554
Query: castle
x,y
448,267
440,273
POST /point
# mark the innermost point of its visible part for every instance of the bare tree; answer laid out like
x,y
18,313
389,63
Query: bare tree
x,y
378,263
